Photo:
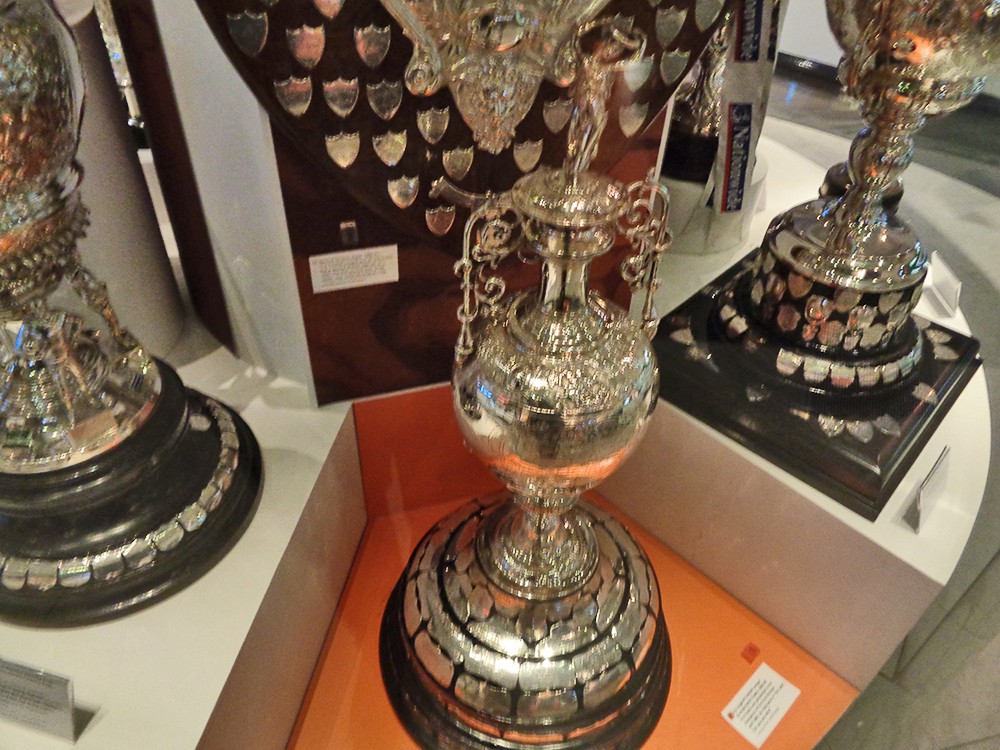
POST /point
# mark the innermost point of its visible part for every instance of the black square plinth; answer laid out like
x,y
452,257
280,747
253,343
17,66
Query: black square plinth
x,y
853,445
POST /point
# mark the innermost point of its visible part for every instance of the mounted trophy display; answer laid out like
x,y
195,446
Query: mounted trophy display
x,y
810,352
117,484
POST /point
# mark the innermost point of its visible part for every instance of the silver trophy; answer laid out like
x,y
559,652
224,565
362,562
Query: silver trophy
x,y
840,276
535,619
842,384
492,57
117,485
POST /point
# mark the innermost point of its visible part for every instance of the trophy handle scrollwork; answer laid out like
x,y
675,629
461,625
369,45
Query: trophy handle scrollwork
x,y
492,233
644,224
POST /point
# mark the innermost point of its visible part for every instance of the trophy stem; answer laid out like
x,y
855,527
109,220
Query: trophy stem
x,y
538,548
879,155
564,284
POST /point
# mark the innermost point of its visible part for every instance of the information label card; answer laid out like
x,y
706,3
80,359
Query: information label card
x,y
36,699
349,269
760,704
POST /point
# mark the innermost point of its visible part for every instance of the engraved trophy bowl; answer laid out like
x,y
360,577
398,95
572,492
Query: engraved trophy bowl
x,y
535,620
117,484
493,57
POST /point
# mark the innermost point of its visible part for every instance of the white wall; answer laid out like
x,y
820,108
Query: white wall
x,y
230,143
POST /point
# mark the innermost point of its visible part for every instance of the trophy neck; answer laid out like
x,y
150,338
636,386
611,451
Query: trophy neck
x,y
564,285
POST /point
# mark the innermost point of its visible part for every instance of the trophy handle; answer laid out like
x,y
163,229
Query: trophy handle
x,y
492,232
644,224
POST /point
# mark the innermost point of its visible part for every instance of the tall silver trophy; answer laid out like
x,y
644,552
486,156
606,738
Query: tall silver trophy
x,y
117,484
535,620
826,368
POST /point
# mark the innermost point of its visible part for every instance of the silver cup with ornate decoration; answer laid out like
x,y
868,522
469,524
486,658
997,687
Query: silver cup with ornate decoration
x,y
117,485
535,620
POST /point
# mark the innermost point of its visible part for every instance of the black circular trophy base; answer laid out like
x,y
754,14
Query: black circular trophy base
x,y
623,717
121,531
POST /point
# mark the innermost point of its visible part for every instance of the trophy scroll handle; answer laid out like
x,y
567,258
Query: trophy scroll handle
x,y
492,233
644,224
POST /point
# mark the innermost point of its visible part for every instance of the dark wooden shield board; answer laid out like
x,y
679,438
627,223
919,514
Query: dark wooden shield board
x,y
380,338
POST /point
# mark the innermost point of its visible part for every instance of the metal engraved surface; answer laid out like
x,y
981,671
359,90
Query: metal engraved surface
x,y
552,669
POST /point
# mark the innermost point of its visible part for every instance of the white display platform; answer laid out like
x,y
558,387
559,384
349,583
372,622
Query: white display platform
x,y
224,663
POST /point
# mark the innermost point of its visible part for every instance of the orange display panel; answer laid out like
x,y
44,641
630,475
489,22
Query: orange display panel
x,y
716,642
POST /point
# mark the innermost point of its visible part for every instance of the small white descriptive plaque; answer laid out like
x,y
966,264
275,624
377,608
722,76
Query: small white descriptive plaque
x,y
36,699
760,704
353,268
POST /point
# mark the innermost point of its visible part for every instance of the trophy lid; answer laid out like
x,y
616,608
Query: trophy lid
x,y
571,201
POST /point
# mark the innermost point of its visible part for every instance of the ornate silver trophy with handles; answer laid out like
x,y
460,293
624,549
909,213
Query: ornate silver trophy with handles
x,y
821,318
117,484
535,620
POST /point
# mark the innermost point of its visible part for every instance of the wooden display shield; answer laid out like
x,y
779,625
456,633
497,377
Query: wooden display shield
x,y
356,170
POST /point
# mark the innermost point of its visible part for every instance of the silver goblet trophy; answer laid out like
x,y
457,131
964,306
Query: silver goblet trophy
x,y
117,485
843,385
535,620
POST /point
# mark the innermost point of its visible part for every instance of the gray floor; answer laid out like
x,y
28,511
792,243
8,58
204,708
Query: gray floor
x,y
943,689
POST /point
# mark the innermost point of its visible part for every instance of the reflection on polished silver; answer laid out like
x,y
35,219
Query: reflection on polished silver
x,y
385,97
672,64
66,395
696,106
403,190
636,75
329,8
492,57
536,621
440,220
43,574
903,63
306,44
107,463
458,161
343,148
668,25
248,30
341,95
527,154
372,43
433,123
556,114
390,147
706,11
294,95
631,118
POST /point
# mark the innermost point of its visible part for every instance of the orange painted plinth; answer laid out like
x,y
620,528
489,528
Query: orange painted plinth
x,y
416,471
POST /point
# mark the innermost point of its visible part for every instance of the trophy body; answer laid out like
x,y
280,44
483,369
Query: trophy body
x,y
117,485
535,620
